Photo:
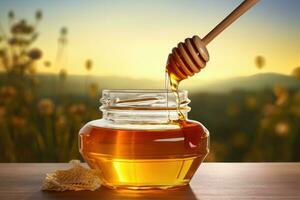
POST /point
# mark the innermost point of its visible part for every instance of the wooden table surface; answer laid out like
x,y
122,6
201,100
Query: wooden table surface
x,y
212,181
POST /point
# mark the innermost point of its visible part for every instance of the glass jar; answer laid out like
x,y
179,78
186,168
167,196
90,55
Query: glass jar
x,y
140,143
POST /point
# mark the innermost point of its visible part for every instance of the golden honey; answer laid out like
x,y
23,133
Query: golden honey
x,y
141,142
155,158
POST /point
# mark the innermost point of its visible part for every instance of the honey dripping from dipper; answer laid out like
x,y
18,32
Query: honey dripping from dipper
x,y
185,60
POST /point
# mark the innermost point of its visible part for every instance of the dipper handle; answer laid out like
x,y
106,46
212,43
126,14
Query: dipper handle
x,y
190,56
234,15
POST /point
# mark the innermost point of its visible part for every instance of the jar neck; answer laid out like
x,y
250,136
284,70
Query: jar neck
x,y
142,116
142,106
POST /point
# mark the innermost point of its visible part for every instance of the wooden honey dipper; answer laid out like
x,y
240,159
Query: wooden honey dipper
x,y
190,56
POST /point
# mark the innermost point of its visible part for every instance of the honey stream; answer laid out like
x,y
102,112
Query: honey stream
x,y
174,83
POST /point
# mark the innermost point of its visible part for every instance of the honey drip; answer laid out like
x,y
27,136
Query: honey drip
x,y
174,83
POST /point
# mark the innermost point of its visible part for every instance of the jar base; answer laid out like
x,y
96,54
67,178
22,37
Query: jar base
x,y
143,174
145,187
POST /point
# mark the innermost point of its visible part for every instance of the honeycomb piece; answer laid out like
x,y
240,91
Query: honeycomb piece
x,y
76,178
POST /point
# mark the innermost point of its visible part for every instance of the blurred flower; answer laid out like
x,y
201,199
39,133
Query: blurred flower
x,y
296,73
62,74
47,63
8,92
11,14
251,102
22,28
63,36
18,121
281,94
77,109
93,90
260,62
282,128
46,106
34,54
88,64
38,15
63,31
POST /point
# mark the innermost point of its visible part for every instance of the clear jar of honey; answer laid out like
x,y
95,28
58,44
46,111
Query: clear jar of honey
x,y
140,143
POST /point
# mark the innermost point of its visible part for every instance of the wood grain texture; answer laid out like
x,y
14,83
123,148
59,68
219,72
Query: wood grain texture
x,y
212,181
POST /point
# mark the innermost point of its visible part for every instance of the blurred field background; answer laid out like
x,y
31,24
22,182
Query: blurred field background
x,y
51,76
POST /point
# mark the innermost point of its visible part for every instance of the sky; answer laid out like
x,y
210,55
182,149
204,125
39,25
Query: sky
x,y
133,38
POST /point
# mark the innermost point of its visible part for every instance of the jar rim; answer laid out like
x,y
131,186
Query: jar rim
x,y
139,99
164,91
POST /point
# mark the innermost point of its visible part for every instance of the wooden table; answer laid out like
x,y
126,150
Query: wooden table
x,y
212,181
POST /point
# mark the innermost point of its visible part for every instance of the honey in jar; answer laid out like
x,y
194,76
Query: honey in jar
x,y
141,142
